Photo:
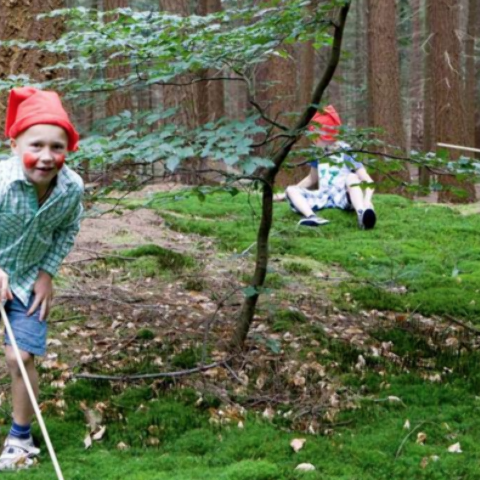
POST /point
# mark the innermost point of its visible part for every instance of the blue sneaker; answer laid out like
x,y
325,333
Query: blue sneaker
x,y
313,221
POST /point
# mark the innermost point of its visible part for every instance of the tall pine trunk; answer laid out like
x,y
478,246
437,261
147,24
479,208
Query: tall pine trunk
x,y
470,79
18,21
416,78
450,123
361,115
385,105
119,100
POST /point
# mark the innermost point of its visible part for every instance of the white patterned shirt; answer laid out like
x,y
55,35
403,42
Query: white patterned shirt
x,y
33,237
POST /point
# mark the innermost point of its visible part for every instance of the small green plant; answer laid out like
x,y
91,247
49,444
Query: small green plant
x,y
145,334
195,284
285,320
297,267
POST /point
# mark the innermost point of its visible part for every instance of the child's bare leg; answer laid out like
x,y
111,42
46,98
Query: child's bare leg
x,y
22,407
355,192
361,202
299,201
361,199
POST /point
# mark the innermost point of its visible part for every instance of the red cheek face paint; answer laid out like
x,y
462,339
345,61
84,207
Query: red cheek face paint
x,y
59,160
29,160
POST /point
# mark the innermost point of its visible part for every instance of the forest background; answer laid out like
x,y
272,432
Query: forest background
x,y
357,348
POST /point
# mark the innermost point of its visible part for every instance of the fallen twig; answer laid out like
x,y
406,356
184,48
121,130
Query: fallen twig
x,y
466,326
129,378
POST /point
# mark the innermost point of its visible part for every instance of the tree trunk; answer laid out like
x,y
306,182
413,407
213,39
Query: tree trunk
x,y
361,115
428,125
384,85
447,89
119,100
416,80
209,95
249,305
182,98
477,76
18,21
470,79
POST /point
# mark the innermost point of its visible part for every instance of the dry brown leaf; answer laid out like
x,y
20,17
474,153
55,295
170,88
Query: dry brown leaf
x,y
153,430
58,384
297,444
455,448
361,363
393,399
93,418
99,435
153,441
299,381
87,441
268,413
260,382
421,437
305,467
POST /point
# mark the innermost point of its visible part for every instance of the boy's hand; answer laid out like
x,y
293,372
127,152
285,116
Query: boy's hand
x,y
5,292
43,290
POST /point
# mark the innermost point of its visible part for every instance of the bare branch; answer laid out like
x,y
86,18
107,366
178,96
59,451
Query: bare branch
x,y
130,378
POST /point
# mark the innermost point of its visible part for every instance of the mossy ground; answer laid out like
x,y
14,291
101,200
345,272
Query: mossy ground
x,y
370,444
432,251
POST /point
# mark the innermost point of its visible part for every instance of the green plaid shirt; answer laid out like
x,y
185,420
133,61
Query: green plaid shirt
x,y
34,238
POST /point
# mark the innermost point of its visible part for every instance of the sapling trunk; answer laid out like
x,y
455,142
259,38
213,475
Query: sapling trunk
x,y
261,264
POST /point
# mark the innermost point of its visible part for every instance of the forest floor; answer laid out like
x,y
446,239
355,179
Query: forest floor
x,y
364,345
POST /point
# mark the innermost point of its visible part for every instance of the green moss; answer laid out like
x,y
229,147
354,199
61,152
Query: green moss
x,y
285,320
297,267
89,390
146,261
145,334
187,358
432,251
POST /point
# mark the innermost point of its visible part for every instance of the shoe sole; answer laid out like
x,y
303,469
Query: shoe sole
x,y
312,223
369,219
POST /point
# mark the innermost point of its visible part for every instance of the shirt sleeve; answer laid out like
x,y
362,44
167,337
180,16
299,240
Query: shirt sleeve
x,y
351,163
63,240
314,164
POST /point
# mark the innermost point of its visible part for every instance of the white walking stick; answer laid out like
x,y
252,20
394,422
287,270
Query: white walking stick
x,y
458,147
31,393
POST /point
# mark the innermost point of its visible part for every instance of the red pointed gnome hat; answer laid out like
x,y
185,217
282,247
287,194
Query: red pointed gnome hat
x,y
329,121
28,106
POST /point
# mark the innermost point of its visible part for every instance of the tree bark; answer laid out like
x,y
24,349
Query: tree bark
x,y
18,21
416,78
447,89
384,85
360,74
477,76
248,308
470,79
119,100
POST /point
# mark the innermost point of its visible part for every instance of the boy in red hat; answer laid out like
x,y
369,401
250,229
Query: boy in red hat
x,y
40,209
338,180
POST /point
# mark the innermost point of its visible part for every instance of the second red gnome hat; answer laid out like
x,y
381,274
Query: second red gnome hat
x,y
28,106
329,121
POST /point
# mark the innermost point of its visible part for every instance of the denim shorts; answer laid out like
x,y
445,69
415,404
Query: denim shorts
x,y
30,333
